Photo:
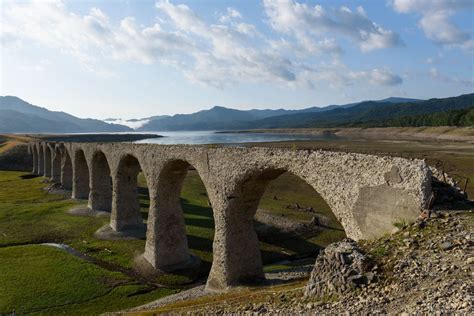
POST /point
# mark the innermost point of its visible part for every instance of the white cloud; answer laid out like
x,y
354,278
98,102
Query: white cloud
x,y
435,18
130,123
305,22
231,14
219,54
434,73
86,37
384,77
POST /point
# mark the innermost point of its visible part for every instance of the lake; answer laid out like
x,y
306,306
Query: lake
x,y
211,137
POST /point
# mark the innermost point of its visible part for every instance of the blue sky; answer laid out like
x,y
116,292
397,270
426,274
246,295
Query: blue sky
x,y
133,59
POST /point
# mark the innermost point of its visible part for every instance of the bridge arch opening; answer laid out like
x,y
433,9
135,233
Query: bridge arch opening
x,y
126,207
47,161
292,220
261,230
80,186
66,170
100,195
180,229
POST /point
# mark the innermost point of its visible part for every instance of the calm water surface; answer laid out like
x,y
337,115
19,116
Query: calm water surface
x,y
211,137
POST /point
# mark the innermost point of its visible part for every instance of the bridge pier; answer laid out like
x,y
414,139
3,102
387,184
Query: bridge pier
x,y
166,244
236,251
66,170
236,248
80,176
56,165
126,215
100,195
40,152
34,153
47,161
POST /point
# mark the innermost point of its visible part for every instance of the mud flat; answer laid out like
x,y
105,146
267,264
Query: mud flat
x,y
447,133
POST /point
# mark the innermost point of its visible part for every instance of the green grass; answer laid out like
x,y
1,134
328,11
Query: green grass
x,y
38,278
42,279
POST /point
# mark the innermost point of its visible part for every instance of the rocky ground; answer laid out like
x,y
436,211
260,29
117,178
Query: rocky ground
x,y
426,267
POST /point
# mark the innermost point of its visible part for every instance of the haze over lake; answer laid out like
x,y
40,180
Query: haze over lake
x,y
211,137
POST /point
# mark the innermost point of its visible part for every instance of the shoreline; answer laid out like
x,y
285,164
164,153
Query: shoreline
x,y
92,138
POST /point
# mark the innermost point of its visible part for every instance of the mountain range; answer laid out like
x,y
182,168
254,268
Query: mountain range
x,y
18,116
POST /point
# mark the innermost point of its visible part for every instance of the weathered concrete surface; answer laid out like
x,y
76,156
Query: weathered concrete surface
x,y
80,175
40,152
56,164
100,195
66,169
47,160
367,194
34,153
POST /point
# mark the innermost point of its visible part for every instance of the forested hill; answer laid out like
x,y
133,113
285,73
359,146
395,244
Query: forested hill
x,y
373,113
462,117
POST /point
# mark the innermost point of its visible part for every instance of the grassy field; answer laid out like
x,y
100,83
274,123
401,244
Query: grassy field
x,y
41,279
38,278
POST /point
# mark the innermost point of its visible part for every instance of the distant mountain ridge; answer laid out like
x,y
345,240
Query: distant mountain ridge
x,y
19,116
219,118
367,113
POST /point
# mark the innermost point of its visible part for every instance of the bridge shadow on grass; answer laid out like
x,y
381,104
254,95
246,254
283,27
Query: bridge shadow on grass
x,y
29,176
206,218
194,209
143,191
200,243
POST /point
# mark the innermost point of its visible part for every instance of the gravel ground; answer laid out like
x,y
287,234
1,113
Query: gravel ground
x,y
273,278
424,268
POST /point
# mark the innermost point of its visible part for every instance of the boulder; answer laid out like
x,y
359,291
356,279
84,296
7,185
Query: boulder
x,y
338,269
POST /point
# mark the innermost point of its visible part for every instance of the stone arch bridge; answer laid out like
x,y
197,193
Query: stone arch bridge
x,y
367,193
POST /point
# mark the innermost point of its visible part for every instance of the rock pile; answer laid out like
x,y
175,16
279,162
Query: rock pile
x,y
339,269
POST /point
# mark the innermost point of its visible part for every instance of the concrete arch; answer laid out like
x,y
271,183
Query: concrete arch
x,y
66,169
355,186
126,214
100,195
80,183
237,249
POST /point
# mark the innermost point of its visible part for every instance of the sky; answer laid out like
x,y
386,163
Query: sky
x,y
139,58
